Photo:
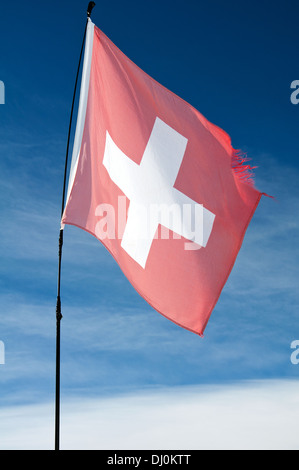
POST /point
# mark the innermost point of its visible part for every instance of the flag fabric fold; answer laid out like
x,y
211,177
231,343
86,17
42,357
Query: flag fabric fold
x,y
158,184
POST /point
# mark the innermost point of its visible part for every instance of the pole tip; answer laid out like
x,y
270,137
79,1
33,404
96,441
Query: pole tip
x,y
90,7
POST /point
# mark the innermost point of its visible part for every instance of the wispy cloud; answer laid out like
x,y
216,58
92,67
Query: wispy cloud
x,y
260,415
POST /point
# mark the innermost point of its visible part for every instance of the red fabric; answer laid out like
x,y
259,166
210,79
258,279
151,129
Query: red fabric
x,y
182,285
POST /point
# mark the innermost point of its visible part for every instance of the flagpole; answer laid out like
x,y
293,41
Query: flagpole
x,y
90,7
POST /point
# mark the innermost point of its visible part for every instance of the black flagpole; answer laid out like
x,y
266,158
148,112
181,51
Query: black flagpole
x,y
90,7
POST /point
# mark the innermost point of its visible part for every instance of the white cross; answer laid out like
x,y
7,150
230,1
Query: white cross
x,y
150,185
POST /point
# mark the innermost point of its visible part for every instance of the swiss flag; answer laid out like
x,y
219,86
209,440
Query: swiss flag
x,y
159,185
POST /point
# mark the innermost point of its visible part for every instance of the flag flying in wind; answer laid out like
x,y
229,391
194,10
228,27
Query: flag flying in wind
x,y
158,184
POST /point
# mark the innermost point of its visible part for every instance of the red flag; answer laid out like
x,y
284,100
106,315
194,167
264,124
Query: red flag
x,y
158,184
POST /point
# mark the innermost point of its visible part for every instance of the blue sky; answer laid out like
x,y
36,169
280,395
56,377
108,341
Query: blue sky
x,y
234,62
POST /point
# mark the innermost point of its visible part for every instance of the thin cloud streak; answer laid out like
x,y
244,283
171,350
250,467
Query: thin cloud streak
x,y
260,415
